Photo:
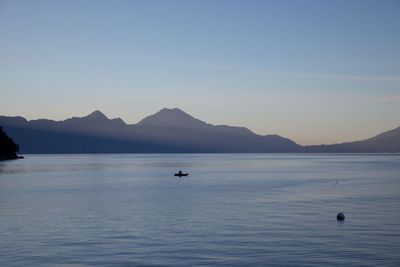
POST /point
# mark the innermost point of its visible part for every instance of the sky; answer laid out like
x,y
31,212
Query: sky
x,y
312,71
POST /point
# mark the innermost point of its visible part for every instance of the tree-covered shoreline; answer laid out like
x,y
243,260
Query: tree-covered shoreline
x,y
8,148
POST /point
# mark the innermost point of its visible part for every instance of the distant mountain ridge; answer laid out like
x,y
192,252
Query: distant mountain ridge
x,y
166,131
386,142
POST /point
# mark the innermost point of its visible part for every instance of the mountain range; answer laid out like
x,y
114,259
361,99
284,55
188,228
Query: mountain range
x,y
167,131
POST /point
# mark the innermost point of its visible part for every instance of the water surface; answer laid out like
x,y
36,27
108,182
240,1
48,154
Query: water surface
x,y
232,210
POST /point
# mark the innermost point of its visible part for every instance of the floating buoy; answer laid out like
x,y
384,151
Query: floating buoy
x,y
340,217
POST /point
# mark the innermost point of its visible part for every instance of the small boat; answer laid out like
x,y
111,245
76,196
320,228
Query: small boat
x,y
180,174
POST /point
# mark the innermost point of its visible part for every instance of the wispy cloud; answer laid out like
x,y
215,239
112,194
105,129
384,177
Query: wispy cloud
x,y
270,73
388,99
366,98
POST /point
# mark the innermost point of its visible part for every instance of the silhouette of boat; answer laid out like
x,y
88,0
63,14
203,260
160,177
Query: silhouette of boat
x,y
180,174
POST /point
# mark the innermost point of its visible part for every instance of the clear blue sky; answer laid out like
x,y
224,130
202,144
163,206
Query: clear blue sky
x,y
313,71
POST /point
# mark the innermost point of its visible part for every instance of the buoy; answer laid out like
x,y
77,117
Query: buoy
x,y
340,217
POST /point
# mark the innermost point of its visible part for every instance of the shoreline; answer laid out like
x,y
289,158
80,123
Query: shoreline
x,y
10,157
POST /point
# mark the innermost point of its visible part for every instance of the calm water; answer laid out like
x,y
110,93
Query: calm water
x,y
233,210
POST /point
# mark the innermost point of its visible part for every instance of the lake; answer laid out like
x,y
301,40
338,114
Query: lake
x,y
232,210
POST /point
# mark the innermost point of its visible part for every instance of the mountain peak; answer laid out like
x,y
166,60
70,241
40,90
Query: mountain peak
x,y
172,112
172,117
96,115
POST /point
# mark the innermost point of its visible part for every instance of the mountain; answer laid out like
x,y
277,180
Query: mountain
x,y
386,142
172,118
169,130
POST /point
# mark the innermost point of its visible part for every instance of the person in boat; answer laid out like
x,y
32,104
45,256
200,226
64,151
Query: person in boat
x,y
180,174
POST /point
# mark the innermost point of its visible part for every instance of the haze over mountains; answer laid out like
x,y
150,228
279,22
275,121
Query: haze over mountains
x,y
167,131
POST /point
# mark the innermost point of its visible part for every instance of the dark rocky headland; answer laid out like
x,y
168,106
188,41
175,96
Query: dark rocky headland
x,y
8,149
